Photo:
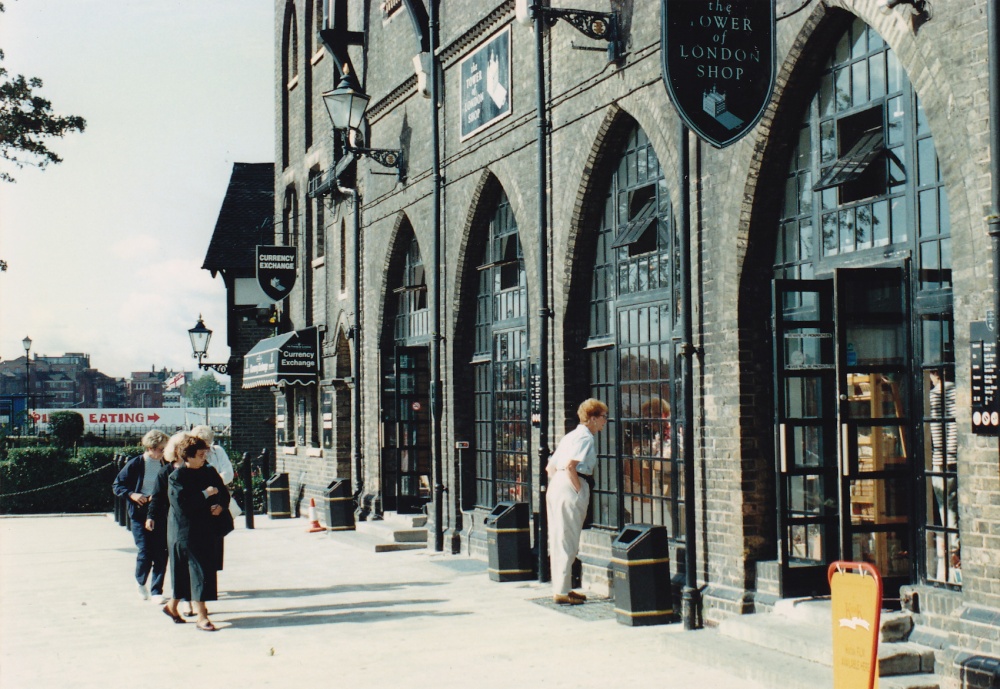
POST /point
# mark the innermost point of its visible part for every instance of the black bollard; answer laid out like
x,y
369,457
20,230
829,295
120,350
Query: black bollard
x,y
123,513
246,468
117,501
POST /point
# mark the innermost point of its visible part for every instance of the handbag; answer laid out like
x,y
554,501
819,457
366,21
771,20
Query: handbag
x,y
224,523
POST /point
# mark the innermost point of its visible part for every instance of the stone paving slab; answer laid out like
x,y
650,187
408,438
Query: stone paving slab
x,y
299,609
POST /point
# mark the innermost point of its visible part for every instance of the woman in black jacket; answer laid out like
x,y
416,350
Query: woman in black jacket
x,y
197,498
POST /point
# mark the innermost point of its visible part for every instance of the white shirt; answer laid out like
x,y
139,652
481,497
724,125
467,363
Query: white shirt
x,y
577,445
219,459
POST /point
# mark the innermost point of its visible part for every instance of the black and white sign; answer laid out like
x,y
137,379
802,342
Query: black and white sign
x,y
985,383
718,64
485,88
276,270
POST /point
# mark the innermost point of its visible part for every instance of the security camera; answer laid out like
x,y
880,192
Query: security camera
x,y
522,12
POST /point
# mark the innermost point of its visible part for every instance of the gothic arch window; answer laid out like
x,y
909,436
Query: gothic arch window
x,y
412,313
864,189
631,343
500,365
289,73
310,22
289,218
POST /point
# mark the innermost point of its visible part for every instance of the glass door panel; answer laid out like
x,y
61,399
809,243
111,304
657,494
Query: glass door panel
x,y
873,346
413,429
805,365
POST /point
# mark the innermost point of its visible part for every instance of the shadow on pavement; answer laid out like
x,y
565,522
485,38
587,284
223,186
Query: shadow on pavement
x,y
325,615
346,588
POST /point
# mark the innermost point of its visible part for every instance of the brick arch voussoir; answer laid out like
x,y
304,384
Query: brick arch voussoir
x,y
391,258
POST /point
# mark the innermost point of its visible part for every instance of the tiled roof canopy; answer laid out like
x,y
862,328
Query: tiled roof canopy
x,y
244,220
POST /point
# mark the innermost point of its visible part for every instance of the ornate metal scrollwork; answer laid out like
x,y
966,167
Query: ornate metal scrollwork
x,y
218,368
600,26
383,156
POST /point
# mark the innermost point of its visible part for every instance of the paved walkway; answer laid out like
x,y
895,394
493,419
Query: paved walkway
x,y
306,610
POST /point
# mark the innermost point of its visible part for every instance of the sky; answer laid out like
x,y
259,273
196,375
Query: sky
x,y
104,250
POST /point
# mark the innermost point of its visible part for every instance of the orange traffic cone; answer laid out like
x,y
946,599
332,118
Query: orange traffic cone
x,y
314,525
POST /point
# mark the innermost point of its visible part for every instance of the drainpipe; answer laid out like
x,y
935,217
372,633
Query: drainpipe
x,y
993,220
436,387
543,295
690,602
359,465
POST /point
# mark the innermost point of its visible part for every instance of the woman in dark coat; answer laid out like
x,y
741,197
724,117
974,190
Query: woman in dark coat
x,y
159,503
197,497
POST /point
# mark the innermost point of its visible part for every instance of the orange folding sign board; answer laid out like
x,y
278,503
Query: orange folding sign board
x,y
856,604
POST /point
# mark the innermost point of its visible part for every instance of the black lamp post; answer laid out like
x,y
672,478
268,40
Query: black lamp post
x,y
346,106
599,26
200,337
27,382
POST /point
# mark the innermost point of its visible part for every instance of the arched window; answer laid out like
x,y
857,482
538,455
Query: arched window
x,y
500,366
290,218
289,73
412,313
863,255
630,346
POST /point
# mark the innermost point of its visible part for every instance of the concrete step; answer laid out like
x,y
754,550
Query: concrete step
x,y
918,681
781,634
390,535
802,628
768,666
405,521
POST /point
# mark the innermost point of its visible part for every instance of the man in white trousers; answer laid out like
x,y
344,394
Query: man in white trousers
x,y
570,471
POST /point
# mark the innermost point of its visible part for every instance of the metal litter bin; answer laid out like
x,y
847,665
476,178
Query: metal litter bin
x,y
509,542
339,505
278,504
640,560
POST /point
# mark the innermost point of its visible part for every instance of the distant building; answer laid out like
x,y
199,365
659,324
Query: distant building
x,y
145,389
59,382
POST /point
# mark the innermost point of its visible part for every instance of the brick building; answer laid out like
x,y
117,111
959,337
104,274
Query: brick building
x,y
839,256
242,224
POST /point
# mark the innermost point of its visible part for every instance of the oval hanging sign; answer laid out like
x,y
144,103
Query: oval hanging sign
x,y
718,64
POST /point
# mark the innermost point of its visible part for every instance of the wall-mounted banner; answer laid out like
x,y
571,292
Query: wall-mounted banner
x,y
485,88
718,64
276,270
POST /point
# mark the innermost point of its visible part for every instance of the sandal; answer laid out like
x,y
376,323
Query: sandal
x,y
172,615
206,626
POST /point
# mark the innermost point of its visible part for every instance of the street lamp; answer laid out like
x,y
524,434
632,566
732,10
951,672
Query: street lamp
x,y
346,106
200,337
27,382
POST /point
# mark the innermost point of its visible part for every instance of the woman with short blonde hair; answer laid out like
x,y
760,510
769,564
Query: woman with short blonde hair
x,y
570,469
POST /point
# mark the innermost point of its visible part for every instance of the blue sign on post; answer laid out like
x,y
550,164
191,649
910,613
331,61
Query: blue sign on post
x,y
486,85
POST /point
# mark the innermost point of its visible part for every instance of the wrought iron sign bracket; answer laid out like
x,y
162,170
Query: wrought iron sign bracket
x,y
600,26
386,157
218,368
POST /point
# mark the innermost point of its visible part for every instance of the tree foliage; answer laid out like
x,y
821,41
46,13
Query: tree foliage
x,y
203,391
27,122
67,427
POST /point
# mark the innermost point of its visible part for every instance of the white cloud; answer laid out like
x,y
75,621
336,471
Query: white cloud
x,y
105,249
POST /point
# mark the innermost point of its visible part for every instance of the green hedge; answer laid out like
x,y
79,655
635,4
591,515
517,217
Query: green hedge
x,y
46,480
42,480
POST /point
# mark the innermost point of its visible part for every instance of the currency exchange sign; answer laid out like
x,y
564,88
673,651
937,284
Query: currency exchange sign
x,y
718,64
